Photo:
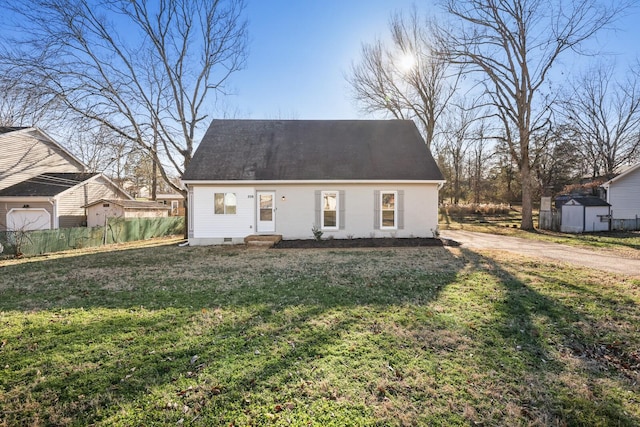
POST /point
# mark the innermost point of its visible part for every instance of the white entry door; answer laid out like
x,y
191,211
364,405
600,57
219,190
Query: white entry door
x,y
266,211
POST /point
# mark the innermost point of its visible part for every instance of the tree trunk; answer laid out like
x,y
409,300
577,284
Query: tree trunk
x,y
527,205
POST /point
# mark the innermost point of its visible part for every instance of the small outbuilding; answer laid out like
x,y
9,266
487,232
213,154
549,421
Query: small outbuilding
x,y
175,200
100,211
582,214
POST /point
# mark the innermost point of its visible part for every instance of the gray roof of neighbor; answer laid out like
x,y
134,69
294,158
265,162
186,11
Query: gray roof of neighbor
x,y
7,129
47,184
589,201
312,150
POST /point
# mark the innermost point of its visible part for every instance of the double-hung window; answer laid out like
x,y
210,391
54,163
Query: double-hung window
x,y
330,210
388,210
225,203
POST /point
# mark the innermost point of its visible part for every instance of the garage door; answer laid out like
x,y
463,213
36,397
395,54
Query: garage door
x,y
27,219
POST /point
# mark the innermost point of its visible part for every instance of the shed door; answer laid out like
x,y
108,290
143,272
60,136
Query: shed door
x,y
266,211
27,219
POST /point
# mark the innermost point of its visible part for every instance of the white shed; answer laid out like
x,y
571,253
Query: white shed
x,y
101,210
585,215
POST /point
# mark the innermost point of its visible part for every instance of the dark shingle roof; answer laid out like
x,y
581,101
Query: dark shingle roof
x,y
590,201
312,150
7,129
46,185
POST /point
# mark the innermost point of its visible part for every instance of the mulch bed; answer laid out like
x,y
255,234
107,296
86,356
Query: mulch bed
x,y
359,243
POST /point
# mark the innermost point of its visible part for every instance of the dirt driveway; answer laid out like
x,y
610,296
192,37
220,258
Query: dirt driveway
x,y
595,259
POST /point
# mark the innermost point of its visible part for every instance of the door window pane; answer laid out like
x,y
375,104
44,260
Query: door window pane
x,y
266,207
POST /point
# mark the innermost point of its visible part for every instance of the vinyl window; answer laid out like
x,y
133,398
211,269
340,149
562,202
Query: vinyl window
x,y
225,203
388,210
330,210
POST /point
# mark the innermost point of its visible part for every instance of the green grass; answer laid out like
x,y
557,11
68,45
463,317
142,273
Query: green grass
x,y
227,336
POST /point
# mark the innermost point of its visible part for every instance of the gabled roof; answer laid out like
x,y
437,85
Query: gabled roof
x,y
589,201
131,204
46,185
296,150
622,175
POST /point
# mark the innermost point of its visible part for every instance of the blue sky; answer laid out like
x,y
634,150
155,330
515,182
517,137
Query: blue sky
x,y
300,51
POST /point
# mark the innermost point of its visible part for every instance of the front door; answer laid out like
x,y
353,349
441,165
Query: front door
x,y
266,211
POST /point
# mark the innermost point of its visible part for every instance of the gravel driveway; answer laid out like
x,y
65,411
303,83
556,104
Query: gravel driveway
x,y
595,259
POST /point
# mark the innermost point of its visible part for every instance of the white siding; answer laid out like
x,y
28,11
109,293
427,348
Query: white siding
x,y
27,153
211,228
97,213
624,196
296,213
592,217
583,219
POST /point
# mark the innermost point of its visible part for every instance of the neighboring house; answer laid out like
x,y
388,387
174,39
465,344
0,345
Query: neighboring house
x,y
347,178
623,194
585,214
100,211
53,200
29,152
173,200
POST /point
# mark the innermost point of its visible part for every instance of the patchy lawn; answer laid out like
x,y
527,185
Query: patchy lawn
x,y
392,336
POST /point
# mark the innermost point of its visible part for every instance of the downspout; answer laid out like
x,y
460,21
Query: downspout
x,y
54,210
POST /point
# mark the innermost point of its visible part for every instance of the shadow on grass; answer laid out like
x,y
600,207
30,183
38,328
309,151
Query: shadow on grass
x,y
157,335
215,336
540,342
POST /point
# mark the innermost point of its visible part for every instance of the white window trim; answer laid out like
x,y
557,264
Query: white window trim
x,y
224,206
395,210
337,210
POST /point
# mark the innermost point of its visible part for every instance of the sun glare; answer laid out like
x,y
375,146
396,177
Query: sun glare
x,y
405,62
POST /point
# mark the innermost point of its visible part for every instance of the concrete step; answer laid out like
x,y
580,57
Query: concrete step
x,y
262,240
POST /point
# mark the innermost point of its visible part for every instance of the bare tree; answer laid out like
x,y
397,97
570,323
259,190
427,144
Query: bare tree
x,y
604,114
20,104
512,45
457,138
480,156
406,79
149,71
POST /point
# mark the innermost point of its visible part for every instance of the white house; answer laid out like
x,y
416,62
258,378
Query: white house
x,y
347,178
623,194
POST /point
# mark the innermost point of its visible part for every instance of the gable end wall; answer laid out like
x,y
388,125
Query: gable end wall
x,y
26,154
624,197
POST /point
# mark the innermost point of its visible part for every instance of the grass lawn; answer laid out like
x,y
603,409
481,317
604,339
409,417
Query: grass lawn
x,y
209,336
